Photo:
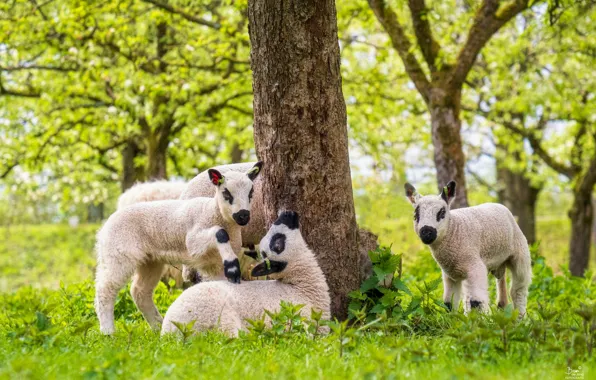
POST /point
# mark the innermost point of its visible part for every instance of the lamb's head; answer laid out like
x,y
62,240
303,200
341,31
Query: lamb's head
x,y
234,192
282,245
431,212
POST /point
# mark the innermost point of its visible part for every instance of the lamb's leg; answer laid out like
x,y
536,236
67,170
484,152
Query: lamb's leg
x,y
501,276
476,288
451,293
200,242
144,283
109,280
521,277
502,292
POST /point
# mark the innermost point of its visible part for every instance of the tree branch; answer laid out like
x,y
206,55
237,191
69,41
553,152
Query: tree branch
x,y
8,169
536,145
489,19
183,14
38,67
400,42
20,94
428,45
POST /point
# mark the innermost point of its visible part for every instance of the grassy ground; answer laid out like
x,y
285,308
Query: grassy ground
x,y
48,330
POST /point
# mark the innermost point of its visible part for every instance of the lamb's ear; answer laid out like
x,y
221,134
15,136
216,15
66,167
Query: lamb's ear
x,y
411,193
289,218
448,192
216,177
255,170
268,267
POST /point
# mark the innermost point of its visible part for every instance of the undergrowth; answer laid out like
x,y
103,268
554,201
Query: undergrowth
x,y
398,328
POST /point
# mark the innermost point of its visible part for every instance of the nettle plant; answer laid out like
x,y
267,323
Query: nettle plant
x,y
386,296
287,322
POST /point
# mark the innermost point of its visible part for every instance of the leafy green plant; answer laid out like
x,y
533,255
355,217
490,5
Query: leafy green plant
x,y
186,329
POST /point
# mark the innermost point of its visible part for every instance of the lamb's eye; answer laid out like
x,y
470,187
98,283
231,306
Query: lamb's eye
x,y
250,194
441,214
228,196
417,214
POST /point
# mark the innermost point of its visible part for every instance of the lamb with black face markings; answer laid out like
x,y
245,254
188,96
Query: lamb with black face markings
x,y
286,259
200,232
469,243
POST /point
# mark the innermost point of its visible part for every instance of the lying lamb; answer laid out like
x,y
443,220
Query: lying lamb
x,y
298,279
470,242
143,237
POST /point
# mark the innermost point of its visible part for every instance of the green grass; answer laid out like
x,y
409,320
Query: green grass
x,y
45,255
49,331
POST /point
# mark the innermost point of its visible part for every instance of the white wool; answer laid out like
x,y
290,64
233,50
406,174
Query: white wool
x,y
152,191
143,237
200,186
224,306
471,242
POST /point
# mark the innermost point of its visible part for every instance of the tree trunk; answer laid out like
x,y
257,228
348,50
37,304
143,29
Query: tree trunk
x,y
301,133
130,172
448,149
157,156
520,197
581,215
95,212
236,153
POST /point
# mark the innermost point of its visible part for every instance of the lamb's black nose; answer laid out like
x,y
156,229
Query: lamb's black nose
x,y
428,234
242,217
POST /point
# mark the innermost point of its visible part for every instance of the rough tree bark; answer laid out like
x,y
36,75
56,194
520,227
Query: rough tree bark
x,y
449,157
157,151
237,153
301,134
130,172
520,197
582,217
441,90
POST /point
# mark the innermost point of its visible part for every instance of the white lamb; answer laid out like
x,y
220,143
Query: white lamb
x,y
141,238
252,233
155,191
297,279
470,242
200,186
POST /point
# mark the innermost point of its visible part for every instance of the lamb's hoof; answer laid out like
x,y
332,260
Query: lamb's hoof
x,y
107,331
232,271
475,304
448,306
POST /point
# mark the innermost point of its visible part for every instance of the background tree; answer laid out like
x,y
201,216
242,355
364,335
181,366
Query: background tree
x,y
550,106
121,83
301,132
440,86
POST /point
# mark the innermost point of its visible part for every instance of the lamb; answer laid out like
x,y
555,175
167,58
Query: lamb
x,y
200,186
252,233
154,191
287,259
470,242
143,237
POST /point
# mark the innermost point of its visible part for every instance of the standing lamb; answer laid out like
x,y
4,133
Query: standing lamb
x,y
141,238
287,259
252,233
200,186
470,242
